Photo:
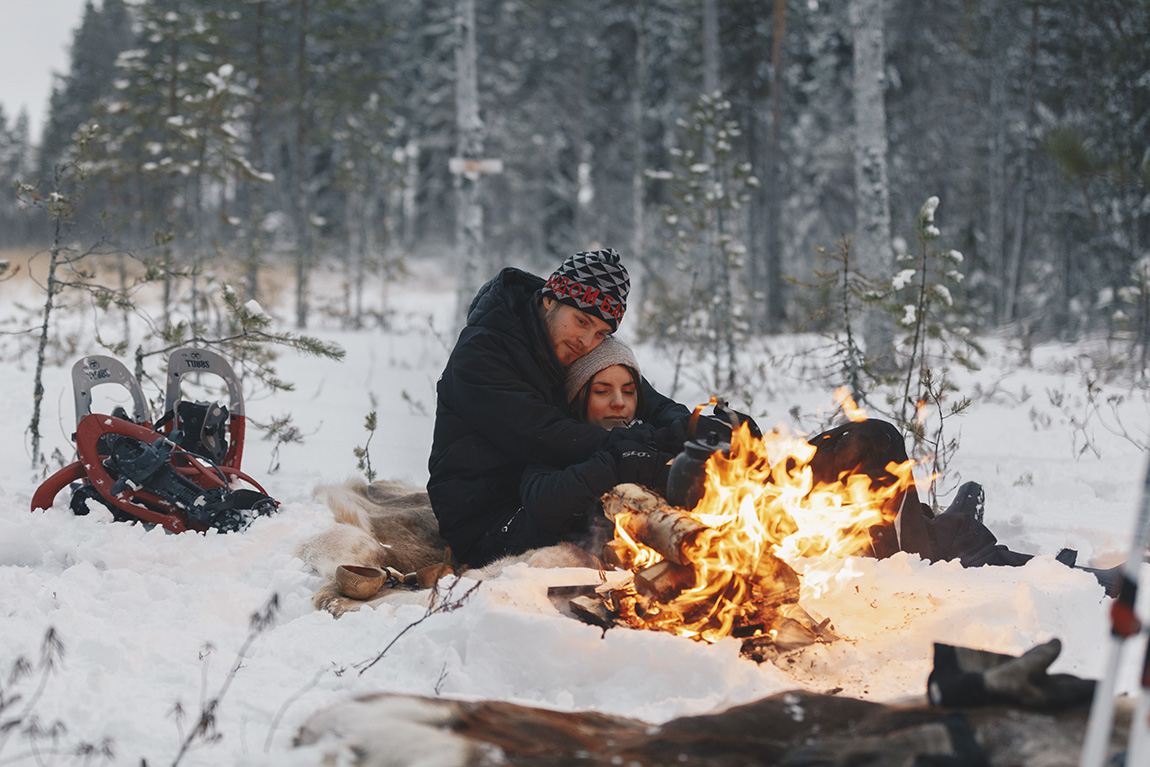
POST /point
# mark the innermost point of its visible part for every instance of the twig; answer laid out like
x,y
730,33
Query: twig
x,y
445,606
442,677
51,653
205,725
287,704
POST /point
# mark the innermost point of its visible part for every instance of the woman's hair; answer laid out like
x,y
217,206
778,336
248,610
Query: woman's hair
x,y
582,372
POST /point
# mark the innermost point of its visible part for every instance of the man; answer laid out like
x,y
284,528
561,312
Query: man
x,y
501,402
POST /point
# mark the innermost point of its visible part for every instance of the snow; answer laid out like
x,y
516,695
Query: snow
x,y
928,209
253,308
902,278
152,623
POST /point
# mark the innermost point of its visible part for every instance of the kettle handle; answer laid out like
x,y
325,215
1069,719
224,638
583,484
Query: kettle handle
x,y
693,421
721,410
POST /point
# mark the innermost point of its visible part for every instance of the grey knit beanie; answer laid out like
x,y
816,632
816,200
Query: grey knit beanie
x,y
610,352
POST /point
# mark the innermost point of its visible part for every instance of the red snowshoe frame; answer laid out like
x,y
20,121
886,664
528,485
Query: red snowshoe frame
x,y
96,433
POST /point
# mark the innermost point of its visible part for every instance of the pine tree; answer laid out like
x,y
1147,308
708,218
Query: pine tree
x,y
101,37
15,164
699,307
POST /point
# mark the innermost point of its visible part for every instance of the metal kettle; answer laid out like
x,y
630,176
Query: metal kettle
x,y
688,474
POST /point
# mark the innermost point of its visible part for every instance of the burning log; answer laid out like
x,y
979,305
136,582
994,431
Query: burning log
x,y
648,519
631,498
619,555
664,581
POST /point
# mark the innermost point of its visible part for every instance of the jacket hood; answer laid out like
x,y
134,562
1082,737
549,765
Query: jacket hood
x,y
499,303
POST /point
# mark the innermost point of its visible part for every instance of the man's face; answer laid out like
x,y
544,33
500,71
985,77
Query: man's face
x,y
573,332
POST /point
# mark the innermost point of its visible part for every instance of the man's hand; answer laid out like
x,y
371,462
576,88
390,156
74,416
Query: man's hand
x,y
639,433
671,438
641,465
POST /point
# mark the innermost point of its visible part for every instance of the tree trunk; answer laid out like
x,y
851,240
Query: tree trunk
x,y
51,288
639,149
872,218
711,67
996,188
773,288
1014,266
255,211
300,205
469,146
409,194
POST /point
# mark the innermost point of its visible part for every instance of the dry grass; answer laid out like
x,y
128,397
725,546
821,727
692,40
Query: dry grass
x,y
29,269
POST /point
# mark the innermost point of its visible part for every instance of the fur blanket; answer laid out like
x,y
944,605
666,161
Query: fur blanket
x,y
389,525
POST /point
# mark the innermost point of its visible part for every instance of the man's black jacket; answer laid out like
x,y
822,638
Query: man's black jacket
x,y
501,407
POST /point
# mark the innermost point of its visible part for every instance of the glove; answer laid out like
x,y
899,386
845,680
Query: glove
x,y
966,677
719,426
638,433
641,465
670,438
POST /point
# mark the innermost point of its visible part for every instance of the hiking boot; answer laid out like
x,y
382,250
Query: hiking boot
x,y
968,501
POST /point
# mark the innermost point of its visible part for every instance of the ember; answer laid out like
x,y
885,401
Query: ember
x,y
724,567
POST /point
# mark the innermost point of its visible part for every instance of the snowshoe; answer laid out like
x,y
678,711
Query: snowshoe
x,y
96,370
178,474
201,423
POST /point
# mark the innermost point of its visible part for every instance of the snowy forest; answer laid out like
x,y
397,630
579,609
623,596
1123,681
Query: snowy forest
x,y
940,207
749,158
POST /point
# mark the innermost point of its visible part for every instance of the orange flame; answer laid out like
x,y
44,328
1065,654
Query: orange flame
x,y
844,400
756,510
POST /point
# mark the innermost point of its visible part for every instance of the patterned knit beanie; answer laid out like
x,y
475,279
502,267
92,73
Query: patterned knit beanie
x,y
593,281
610,352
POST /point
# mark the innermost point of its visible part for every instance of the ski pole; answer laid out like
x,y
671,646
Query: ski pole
x,y
1124,624
1138,745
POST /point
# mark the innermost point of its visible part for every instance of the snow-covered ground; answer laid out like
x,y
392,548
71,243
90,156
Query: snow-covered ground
x,y
151,624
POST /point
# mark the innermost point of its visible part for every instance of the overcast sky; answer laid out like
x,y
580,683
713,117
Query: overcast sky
x,y
34,39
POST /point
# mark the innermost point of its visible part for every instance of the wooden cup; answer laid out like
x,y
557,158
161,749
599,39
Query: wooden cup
x,y
358,582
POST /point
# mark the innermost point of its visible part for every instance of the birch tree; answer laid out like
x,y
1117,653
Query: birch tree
x,y
872,228
469,146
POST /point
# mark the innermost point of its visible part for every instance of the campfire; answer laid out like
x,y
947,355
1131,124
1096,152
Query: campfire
x,y
725,566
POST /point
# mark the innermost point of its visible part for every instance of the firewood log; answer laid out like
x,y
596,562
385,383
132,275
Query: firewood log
x,y
618,554
664,581
631,498
591,610
649,519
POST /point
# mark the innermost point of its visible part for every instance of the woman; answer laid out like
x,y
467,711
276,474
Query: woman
x,y
604,389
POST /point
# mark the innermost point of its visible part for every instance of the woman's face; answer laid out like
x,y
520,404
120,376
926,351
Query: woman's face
x,y
612,399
